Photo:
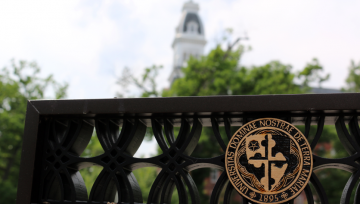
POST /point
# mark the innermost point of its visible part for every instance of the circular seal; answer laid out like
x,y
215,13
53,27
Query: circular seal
x,y
269,161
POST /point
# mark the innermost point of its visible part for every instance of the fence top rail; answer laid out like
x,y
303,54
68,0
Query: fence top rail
x,y
202,104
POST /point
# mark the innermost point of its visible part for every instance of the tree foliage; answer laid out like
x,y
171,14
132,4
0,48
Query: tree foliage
x,y
219,73
18,83
353,79
146,83
311,73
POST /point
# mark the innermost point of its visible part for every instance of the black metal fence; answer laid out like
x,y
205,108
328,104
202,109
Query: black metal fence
x,y
58,131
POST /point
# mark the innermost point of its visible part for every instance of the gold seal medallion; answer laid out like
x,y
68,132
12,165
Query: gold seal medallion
x,y
269,161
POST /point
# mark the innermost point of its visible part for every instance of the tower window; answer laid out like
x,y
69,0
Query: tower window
x,y
192,27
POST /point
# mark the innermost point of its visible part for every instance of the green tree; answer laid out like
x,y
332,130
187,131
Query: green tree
x,y
311,73
353,79
90,174
215,74
219,73
146,84
18,83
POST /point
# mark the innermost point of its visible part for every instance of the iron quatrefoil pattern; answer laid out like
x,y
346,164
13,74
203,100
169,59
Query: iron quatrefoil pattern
x,y
66,139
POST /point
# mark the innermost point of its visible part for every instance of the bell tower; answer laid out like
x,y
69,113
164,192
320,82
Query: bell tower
x,y
189,39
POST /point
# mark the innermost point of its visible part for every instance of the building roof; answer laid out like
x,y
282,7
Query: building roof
x,y
325,91
192,17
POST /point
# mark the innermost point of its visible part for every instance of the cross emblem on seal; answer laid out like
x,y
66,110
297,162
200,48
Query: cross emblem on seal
x,y
262,156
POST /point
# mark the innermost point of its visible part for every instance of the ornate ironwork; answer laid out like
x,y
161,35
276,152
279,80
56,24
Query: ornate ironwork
x,y
57,132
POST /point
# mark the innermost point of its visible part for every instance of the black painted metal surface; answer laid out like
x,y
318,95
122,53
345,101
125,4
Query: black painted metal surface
x,y
57,132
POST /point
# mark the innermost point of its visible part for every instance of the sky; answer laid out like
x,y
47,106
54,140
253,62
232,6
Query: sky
x,y
88,43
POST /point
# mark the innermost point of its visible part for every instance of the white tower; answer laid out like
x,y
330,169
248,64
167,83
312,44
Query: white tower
x,y
189,39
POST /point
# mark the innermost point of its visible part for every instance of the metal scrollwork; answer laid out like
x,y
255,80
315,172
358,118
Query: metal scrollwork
x,y
65,139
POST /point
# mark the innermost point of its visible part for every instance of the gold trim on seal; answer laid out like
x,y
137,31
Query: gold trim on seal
x,y
269,160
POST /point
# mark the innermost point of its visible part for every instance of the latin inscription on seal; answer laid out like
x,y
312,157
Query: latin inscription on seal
x,y
269,161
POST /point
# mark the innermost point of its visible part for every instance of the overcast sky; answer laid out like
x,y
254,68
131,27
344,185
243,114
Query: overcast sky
x,y
88,43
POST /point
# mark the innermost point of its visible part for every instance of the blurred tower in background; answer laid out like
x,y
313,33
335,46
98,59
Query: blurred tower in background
x,y
189,39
